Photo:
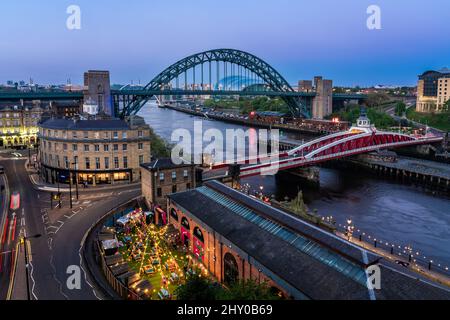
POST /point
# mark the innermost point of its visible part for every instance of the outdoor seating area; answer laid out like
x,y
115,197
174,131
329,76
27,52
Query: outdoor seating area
x,y
149,261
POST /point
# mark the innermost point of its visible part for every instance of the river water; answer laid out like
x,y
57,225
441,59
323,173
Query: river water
x,y
384,209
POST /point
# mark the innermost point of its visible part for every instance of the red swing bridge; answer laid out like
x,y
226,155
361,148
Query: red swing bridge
x,y
359,139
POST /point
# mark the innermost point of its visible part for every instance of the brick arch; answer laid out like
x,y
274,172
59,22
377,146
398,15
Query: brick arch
x,y
230,269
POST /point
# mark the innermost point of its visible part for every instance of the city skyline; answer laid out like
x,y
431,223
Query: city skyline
x,y
296,38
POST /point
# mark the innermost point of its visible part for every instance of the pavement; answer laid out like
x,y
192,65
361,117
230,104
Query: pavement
x,y
56,235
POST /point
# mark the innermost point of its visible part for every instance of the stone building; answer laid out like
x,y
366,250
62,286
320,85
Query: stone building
x,y
433,91
237,237
97,150
322,102
161,177
19,125
98,89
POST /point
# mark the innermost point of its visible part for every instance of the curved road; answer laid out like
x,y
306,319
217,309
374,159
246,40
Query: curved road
x,y
58,246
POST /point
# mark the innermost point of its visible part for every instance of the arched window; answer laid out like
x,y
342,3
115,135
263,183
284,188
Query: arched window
x,y
185,223
199,234
230,269
174,214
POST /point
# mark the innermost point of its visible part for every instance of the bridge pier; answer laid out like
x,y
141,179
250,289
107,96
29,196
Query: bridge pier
x,y
309,174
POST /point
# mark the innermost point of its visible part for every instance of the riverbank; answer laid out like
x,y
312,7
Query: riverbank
x,y
305,128
405,214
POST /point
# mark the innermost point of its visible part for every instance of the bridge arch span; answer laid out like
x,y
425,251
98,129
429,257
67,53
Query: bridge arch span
x,y
269,76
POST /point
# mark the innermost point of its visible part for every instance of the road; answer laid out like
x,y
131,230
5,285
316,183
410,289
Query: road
x,y
58,245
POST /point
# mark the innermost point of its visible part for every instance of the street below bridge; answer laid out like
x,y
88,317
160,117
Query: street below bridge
x,y
60,234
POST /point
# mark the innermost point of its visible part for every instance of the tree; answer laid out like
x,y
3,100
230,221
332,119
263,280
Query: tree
x,y
447,105
248,290
377,98
400,108
199,288
298,205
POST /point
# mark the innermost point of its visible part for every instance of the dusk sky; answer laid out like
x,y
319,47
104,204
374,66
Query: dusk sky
x,y
137,39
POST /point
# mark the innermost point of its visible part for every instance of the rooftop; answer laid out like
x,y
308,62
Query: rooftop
x,y
317,263
72,124
162,164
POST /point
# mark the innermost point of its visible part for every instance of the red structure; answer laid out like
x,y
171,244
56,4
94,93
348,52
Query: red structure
x,y
362,138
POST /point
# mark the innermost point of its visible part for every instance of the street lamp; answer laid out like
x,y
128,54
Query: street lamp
x,y
350,229
76,178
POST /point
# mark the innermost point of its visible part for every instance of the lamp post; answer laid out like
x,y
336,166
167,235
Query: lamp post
x,y
76,178
350,229
70,188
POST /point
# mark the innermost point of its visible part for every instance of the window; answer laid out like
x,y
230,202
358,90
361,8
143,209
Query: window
x,y
124,147
115,135
58,163
161,176
66,162
174,188
106,163
88,163
125,162
116,147
106,147
231,271
97,163
97,148
124,135
49,146
174,175
185,174
140,134
106,135
141,159
174,214
159,192
74,135
75,161
116,162
75,147
188,186
140,146
86,135
86,147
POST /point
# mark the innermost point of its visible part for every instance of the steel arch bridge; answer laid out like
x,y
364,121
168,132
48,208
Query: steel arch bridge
x,y
335,146
242,64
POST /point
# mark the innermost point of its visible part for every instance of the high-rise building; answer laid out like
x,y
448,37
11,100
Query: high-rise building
x,y
433,91
97,89
322,102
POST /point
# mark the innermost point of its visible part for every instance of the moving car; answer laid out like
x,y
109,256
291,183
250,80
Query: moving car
x,y
15,201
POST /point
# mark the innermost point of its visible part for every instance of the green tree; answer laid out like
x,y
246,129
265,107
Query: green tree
x,y
447,105
377,98
199,288
400,108
298,204
248,290
159,147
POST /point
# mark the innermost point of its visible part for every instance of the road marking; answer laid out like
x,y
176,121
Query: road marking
x,y
22,222
56,279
